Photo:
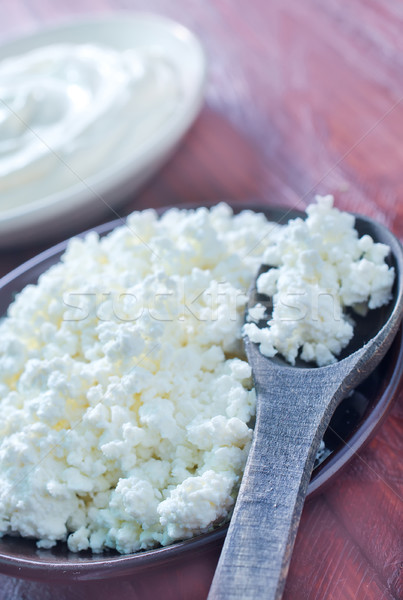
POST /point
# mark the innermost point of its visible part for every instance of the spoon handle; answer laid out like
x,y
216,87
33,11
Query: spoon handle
x,y
292,416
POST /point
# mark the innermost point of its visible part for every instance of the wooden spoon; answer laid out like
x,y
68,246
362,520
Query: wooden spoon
x,y
294,407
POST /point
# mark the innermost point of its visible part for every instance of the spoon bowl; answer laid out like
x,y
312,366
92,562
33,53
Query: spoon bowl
x,y
294,407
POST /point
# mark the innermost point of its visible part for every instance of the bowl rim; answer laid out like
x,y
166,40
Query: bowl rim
x,y
99,567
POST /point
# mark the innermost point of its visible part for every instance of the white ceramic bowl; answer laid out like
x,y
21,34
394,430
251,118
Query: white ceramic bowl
x,y
77,206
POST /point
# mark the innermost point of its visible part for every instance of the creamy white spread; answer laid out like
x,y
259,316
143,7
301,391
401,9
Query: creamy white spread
x,y
70,111
319,267
125,397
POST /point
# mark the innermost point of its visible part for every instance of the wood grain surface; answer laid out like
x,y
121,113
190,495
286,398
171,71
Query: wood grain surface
x,y
302,97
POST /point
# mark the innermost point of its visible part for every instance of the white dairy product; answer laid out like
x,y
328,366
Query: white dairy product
x,y
67,111
125,410
256,313
320,266
125,397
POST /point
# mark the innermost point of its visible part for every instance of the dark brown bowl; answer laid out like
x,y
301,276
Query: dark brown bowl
x,y
189,565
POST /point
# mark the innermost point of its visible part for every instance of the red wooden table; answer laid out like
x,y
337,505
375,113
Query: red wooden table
x,y
302,97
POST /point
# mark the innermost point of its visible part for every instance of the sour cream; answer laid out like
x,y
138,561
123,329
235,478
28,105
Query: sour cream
x,y
69,111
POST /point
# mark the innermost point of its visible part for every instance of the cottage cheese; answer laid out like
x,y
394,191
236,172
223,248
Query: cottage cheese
x,y
125,398
320,267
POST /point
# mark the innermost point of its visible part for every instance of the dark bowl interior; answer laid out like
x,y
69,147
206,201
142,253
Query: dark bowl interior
x,y
353,423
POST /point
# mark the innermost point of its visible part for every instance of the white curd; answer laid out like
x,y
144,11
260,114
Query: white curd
x,y
319,267
125,397
124,394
